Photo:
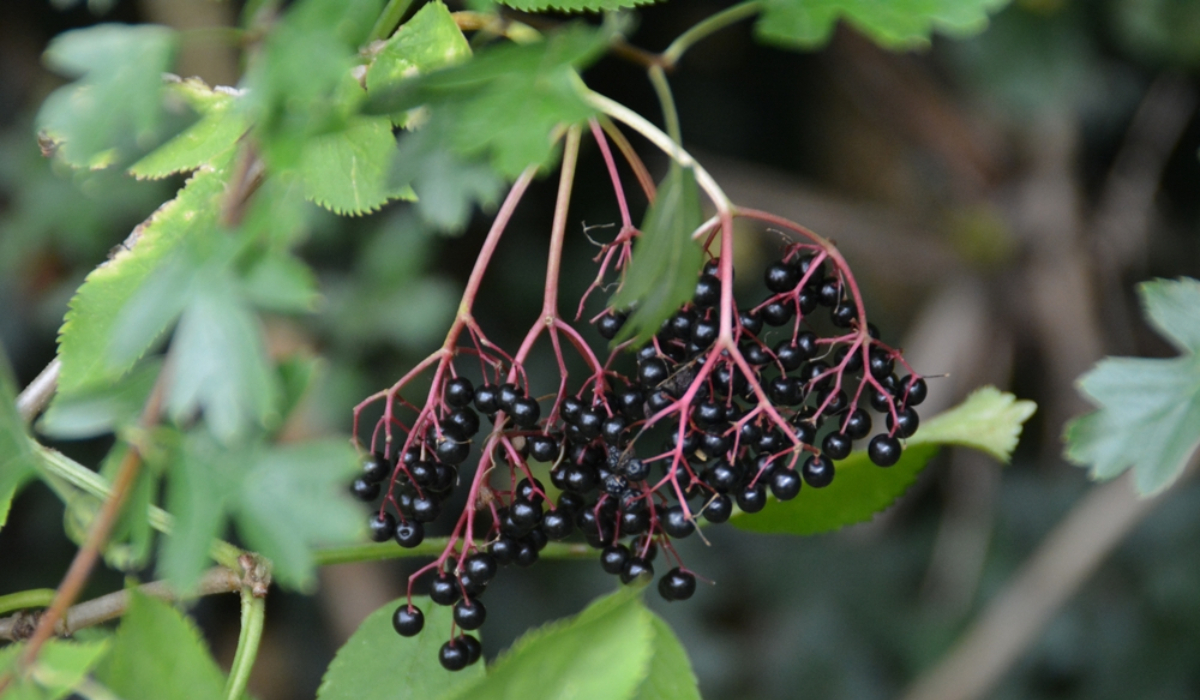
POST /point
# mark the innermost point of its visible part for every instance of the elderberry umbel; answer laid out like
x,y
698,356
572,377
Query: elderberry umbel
x,y
727,407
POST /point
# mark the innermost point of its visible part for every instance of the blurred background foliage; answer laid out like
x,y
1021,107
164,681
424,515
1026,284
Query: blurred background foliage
x,y
998,198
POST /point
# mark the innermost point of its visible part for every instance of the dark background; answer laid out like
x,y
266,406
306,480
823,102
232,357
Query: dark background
x,y
998,198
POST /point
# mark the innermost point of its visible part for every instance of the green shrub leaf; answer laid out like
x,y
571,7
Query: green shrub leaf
x,y
895,24
116,315
16,454
158,653
378,664
671,676
116,106
1149,409
61,667
221,124
988,420
428,41
347,171
604,653
574,5
662,275
99,410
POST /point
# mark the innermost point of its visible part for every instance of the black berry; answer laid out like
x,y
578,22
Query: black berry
x,y
677,584
884,450
408,621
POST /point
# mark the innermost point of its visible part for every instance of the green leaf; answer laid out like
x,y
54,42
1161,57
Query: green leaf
x,y
129,544
159,653
602,654
221,126
100,338
378,664
60,668
859,491
117,103
281,283
347,171
224,370
662,275
988,420
1149,409
446,184
16,454
506,102
671,676
894,24
201,481
428,41
294,498
99,410
574,5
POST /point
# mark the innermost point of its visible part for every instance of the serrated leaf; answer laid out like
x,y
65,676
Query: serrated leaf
x,y
670,676
220,127
662,275
99,341
505,102
117,103
347,171
859,491
574,5
61,666
894,24
378,664
226,373
1149,409
603,653
988,420
294,498
100,410
16,454
159,653
427,42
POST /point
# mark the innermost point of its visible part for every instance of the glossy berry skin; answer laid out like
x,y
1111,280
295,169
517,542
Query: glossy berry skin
x,y
708,414
753,498
525,412
470,615
365,490
459,392
465,419
884,450
610,324
444,590
719,509
377,468
653,371
843,314
785,484
708,291
557,525
410,534
676,523
426,510
830,292
917,391
858,425
527,553
635,469
542,448
590,422
781,277
817,471
525,514
704,333
452,451
506,394
778,313
636,568
905,423
722,476
532,491
453,656
882,363
756,354
504,550
382,526
793,354
481,566
487,399
805,432
407,621
836,446
677,584
612,429
614,557
473,647
750,321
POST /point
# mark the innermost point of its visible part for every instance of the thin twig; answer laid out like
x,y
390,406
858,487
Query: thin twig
x,y
39,392
113,605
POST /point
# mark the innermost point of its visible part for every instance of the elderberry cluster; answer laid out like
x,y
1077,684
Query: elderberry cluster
x,y
700,426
